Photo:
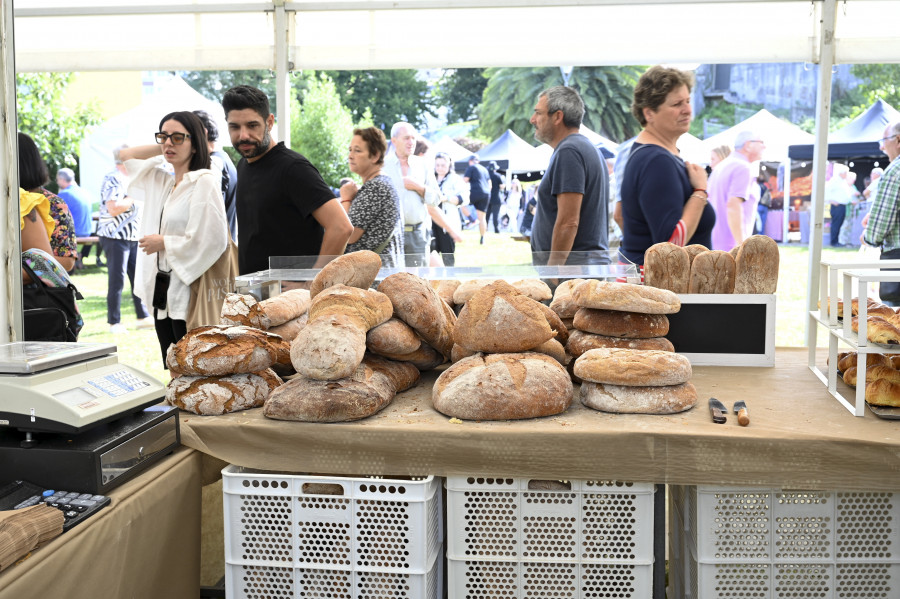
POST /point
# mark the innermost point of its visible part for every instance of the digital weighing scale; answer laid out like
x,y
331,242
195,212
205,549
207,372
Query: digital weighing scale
x,y
72,416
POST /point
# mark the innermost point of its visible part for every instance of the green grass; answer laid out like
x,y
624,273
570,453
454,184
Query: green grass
x,y
139,348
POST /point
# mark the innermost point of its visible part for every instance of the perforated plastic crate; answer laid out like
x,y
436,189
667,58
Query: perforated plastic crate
x,y
291,535
515,537
737,542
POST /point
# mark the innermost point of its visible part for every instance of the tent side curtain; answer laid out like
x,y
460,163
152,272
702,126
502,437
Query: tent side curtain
x,y
362,34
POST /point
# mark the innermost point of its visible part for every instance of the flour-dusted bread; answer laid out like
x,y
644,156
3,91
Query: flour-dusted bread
x,y
419,306
281,308
560,330
503,387
393,337
332,345
614,323
644,367
667,266
213,395
563,302
356,269
237,310
291,328
581,342
218,350
366,391
468,288
499,319
445,289
627,297
756,265
620,399
536,289
554,349
694,249
459,352
712,272
424,357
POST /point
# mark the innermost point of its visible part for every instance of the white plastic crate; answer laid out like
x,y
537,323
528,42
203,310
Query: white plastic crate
x,y
515,537
291,535
734,543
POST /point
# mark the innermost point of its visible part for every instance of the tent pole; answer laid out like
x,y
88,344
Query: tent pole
x,y
283,67
786,209
11,301
825,38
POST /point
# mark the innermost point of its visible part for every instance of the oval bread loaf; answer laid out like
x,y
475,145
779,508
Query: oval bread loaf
x,y
756,265
498,319
614,323
627,297
536,289
580,342
291,328
424,357
563,302
445,289
503,387
356,269
419,306
712,272
468,288
281,308
694,249
213,395
645,367
620,399
667,266
393,337
223,349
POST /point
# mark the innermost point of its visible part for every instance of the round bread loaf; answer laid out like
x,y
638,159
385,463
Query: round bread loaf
x,y
667,266
369,389
222,349
467,288
645,367
356,269
419,306
849,360
873,373
712,272
756,265
536,289
392,337
613,323
503,387
626,297
498,319
213,395
580,342
563,302
638,400
236,310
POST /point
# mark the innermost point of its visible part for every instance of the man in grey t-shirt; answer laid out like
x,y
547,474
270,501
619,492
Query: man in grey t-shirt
x,y
571,217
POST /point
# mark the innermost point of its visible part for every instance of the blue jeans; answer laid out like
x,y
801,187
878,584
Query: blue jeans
x,y
121,258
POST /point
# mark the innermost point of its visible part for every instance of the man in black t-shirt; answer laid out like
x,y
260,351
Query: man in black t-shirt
x,y
284,207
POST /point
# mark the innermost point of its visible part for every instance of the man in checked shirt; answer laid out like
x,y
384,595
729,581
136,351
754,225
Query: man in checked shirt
x,y
883,227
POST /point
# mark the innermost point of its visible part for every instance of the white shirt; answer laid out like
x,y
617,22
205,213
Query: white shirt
x,y
191,218
412,205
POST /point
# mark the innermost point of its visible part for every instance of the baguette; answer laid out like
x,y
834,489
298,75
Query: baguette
x,y
356,269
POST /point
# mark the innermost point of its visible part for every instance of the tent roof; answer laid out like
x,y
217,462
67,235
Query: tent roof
x,y
775,132
512,153
858,138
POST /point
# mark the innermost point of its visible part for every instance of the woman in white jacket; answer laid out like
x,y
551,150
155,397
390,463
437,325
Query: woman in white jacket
x,y
454,193
183,228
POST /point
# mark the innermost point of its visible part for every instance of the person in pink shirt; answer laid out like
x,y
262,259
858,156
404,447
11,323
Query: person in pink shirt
x,y
733,193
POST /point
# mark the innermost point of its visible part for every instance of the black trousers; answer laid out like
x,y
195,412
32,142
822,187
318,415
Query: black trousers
x,y
442,243
168,331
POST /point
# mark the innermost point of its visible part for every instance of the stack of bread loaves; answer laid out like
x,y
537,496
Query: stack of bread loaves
x,y
751,267
224,368
882,377
514,380
627,380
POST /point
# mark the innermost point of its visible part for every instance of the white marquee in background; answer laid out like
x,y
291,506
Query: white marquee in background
x,y
97,35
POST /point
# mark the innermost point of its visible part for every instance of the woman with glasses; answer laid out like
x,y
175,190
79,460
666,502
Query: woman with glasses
x,y
454,193
183,231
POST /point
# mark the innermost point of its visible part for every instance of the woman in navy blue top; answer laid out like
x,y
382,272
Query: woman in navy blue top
x,y
663,197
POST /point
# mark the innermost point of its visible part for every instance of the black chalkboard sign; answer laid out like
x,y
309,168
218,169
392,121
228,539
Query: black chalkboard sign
x,y
719,329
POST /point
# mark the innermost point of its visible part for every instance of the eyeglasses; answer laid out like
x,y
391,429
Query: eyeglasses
x,y
177,138
884,139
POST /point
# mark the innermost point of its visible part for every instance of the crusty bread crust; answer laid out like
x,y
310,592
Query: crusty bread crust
x,y
627,297
620,399
643,367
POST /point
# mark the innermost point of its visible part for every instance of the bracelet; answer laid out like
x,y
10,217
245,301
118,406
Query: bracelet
x,y
703,190
696,195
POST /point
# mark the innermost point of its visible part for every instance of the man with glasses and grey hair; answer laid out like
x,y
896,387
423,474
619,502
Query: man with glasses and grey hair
x,y
571,215
882,228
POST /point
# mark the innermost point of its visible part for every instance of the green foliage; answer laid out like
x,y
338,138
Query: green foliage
x,y
55,128
511,93
214,84
321,128
460,90
390,96
881,81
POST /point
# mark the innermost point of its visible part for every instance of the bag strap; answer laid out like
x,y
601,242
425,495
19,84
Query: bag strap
x,y
43,286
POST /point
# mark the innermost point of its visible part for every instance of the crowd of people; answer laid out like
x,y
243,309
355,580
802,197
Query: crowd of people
x,y
170,208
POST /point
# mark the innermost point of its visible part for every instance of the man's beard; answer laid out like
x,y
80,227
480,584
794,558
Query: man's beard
x,y
259,147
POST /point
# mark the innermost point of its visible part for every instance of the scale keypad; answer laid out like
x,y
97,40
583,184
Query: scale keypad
x,y
118,383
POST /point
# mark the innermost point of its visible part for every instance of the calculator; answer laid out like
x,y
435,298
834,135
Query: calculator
x,y
76,507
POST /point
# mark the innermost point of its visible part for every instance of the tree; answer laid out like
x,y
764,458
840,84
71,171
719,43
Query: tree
x,y
880,81
321,128
460,90
214,84
390,96
511,94
56,128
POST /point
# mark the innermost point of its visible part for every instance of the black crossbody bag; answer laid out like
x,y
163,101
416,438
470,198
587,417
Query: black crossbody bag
x,y
50,313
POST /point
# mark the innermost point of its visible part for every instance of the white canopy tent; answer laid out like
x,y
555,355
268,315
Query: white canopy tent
x,y
775,132
68,35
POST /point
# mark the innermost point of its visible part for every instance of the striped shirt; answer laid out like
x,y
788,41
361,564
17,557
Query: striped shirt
x,y
124,226
883,228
